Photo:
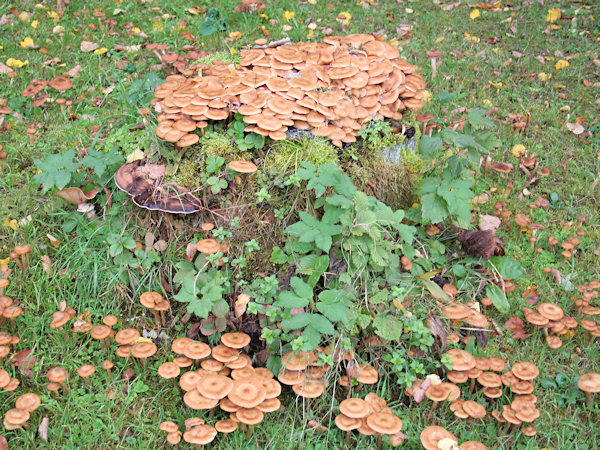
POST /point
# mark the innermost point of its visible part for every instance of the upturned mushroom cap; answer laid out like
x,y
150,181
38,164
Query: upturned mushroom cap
x,y
355,408
346,423
127,336
22,250
169,370
247,393
111,320
457,376
28,402
525,371
294,361
59,318
384,423
16,416
430,437
272,388
57,374
215,386
224,354
456,311
589,382
178,345
208,246
375,402
200,435
107,365
527,412
143,350
489,379
244,372
189,380
235,340
529,431
443,392
269,405
497,364
242,166
226,426
366,374
86,370
461,360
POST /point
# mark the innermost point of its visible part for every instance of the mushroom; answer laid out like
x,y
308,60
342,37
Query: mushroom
x,y
58,375
590,384
142,351
347,424
86,371
442,392
383,423
200,435
107,365
249,417
226,426
169,371
430,437
151,300
22,252
28,402
433,55
102,333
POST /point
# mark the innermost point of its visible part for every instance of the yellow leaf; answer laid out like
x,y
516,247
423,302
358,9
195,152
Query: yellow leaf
x,y
5,261
553,15
398,303
426,96
158,26
487,102
54,16
288,15
542,76
136,30
440,39
35,23
233,50
561,64
263,16
142,339
135,155
27,42
475,14
344,18
100,51
519,150
24,16
235,35
11,223
12,62
310,33
53,241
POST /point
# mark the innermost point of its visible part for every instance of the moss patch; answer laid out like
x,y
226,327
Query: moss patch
x,y
285,156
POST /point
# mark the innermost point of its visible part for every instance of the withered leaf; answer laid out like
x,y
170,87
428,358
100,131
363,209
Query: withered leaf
x,y
76,195
516,326
43,429
190,251
419,392
25,361
436,327
47,264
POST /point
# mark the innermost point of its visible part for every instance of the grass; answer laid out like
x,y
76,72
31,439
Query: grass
x,y
503,77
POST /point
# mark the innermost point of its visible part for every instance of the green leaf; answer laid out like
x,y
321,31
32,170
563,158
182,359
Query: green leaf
x,y
508,268
332,305
477,119
428,145
100,161
220,308
434,209
435,290
296,321
287,299
498,298
207,28
320,265
278,256
301,288
322,324
387,327
312,336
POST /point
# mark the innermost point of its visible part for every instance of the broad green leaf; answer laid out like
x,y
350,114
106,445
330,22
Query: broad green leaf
x,y
301,288
312,336
428,145
220,308
322,324
508,268
278,256
288,299
295,322
477,119
387,327
434,209
498,298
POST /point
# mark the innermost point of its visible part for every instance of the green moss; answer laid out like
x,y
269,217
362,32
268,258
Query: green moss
x,y
285,156
187,174
221,56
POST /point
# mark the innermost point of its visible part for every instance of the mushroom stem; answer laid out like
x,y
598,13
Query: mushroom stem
x,y
163,319
104,345
507,427
25,260
379,441
64,386
249,430
348,439
472,386
588,398
434,407
156,318
433,67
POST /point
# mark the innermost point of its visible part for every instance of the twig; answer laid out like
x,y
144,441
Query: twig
x,y
372,186
274,43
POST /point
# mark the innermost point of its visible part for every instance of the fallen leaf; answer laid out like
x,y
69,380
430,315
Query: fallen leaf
x,y
316,425
76,196
25,362
419,392
575,128
4,68
475,14
43,429
87,46
161,245
561,64
436,327
47,264
516,326
190,251
75,71
553,15
53,241
489,222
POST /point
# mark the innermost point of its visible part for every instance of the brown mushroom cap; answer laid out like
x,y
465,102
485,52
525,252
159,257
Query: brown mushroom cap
x,y
457,376
235,340
527,412
169,370
111,320
178,345
472,445
86,370
195,400
461,360
270,405
249,416
107,365
346,423
529,431
589,382
57,374
456,311
200,435
189,380
309,389
492,392
168,426
430,437
247,393
242,166
224,354
525,371
150,299
489,379
550,311
143,349
16,416
294,361
474,409
215,386
442,392
226,426
384,423
100,332
355,408
196,350
59,318
208,246
127,336
28,402
366,374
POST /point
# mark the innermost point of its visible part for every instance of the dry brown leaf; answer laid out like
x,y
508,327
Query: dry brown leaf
x,y
43,429
316,425
47,264
489,222
436,327
76,196
25,362
87,46
190,251
5,69
419,392
516,326
575,128
75,71
149,241
53,241
160,245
